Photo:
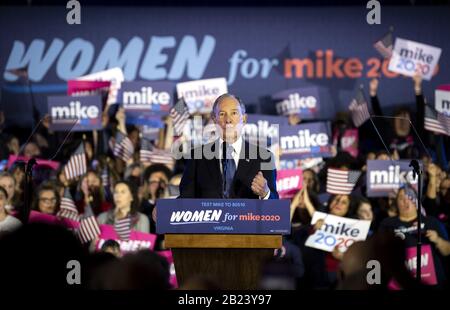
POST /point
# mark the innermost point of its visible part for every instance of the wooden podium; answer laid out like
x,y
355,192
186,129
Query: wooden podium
x,y
233,261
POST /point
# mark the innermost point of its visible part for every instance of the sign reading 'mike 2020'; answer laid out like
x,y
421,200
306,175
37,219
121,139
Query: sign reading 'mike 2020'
x,y
223,216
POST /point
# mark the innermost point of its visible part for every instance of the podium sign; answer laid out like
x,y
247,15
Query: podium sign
x,y
223,216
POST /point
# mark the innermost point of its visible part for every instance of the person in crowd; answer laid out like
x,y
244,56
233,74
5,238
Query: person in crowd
x,y
13,145
113,247
37,255
405,226
126,205
321,267
398,133
437,198
47,199
91,191
8,182
384,248
31,149
142,270
156,180
364,211
8,223
311,181
19,176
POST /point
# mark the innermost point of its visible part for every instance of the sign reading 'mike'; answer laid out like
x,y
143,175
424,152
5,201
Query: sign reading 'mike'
x,y
75,113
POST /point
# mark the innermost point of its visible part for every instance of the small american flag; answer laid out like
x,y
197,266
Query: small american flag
x,y
68,209
385,45
76,165
123,148
436,122
179,114
341,181
123,228
149,153
358,109
89,229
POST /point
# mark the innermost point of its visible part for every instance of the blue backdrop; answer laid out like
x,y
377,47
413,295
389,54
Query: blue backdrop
x,y
242,44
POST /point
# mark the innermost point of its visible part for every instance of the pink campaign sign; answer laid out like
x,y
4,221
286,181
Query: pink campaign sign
x,y
138,240
173,277
428,272
428,275
52,164
38,217
77,88
349,141
289,182
444,87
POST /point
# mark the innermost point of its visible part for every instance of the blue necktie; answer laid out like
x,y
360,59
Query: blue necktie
x,y
229,168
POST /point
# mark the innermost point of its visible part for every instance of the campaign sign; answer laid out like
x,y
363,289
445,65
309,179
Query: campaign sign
x,y
200,95
442,99
263,128
173,276
384,177
39,217
302,101
75,113
428,272
337,231
223,216
306,140
306,163
349,141
87,88
137,241
39,162
411,57
145,101
113,75
289,182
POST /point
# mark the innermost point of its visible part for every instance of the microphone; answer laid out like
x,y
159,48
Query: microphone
x,y
224,168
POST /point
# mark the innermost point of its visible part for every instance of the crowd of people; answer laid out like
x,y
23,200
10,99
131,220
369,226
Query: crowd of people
x,y
115,188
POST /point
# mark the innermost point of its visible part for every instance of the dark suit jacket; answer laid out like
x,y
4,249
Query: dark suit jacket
x,y
202,176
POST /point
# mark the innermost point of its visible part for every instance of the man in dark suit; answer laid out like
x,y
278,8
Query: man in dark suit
x,y
229,167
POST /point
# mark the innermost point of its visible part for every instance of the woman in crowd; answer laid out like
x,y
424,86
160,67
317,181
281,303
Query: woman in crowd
x,y
321,267
156,180
311,181
91,191
8,182
8,223
363,211
126,204
405,226
47,199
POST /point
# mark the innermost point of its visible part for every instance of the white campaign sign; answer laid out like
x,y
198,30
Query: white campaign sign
x,y
200,95
114,75
410,57
442,99
336,231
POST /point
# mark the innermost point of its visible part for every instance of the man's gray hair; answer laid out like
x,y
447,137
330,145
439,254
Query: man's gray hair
x,y
222,97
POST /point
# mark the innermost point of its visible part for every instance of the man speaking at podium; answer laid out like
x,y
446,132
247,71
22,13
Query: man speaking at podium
x,y
229,167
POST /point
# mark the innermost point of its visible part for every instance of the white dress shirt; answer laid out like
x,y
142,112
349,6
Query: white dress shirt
x,y
237,147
